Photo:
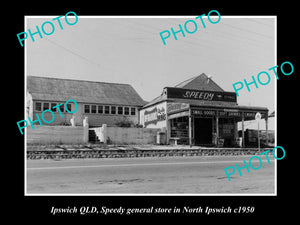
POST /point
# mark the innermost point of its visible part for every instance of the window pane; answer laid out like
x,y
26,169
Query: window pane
x,y
38,106
94,108
120,110
106,109
46,106
100,109
62,107
69,107
126,110
113,109
132,111
52,105
86,108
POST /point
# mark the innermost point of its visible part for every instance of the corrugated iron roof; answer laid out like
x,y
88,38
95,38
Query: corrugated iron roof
x,y
272,114
201,82
54,89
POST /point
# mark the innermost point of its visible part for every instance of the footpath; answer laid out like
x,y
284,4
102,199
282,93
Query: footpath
x,y
125,151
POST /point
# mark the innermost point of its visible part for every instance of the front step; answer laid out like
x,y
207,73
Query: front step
x,y
93,137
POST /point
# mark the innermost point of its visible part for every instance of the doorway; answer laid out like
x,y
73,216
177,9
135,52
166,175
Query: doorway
x,y
203,131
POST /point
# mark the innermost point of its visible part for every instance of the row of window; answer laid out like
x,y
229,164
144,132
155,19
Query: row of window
x,y
110,109
100,109
42,106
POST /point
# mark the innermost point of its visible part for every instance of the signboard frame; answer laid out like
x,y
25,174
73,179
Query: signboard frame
x,y
202,95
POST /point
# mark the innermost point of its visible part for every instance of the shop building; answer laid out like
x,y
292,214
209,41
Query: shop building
x,y
199,112
101,102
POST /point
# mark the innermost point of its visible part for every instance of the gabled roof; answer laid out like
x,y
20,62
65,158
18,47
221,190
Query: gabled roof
x,y
201,82
54,89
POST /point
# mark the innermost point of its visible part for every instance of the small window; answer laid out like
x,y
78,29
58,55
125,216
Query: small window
x,y
120,110
62,107
100,109
132,111
69,107
106,109
53,105
38,106
86,108
113,109
45,106
94,107
126,110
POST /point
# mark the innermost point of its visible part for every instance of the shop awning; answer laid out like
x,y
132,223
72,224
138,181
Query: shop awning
x,y
178,108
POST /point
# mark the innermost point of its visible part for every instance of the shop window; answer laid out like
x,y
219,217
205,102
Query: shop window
x,y
113,109
179,127
126,110
132,111
45,106
100,109
120,110
106,109
86,108
38,106
93,109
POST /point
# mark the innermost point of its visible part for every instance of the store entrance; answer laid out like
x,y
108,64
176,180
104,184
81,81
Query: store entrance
x,y
203,131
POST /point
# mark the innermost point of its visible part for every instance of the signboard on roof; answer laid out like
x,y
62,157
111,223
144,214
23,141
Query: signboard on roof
x,y
200,95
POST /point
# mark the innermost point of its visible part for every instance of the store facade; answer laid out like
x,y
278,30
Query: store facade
x,y
199,116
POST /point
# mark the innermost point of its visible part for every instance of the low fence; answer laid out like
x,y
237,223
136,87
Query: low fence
x,y
251,137
57,135
120,153
44,135
124,135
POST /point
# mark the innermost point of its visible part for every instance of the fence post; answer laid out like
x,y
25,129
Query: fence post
x,y
104,132
72,120
85,129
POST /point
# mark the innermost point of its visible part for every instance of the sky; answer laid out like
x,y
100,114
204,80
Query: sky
x,y
130,50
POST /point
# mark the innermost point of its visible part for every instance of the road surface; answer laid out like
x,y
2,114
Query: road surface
x,y
165,175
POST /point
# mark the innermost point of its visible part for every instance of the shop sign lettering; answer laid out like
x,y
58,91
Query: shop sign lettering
x,y
200,95
154,115
176,107
200,112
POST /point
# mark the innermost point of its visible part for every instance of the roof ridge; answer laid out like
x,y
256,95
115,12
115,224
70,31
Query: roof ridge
x,y
57,89
68,79
187,80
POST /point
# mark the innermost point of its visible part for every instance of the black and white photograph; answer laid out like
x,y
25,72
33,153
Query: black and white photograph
x,y
179,113
147,105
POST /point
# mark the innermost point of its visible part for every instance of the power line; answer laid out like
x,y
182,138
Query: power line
x,y
74,53
249,31
259,22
